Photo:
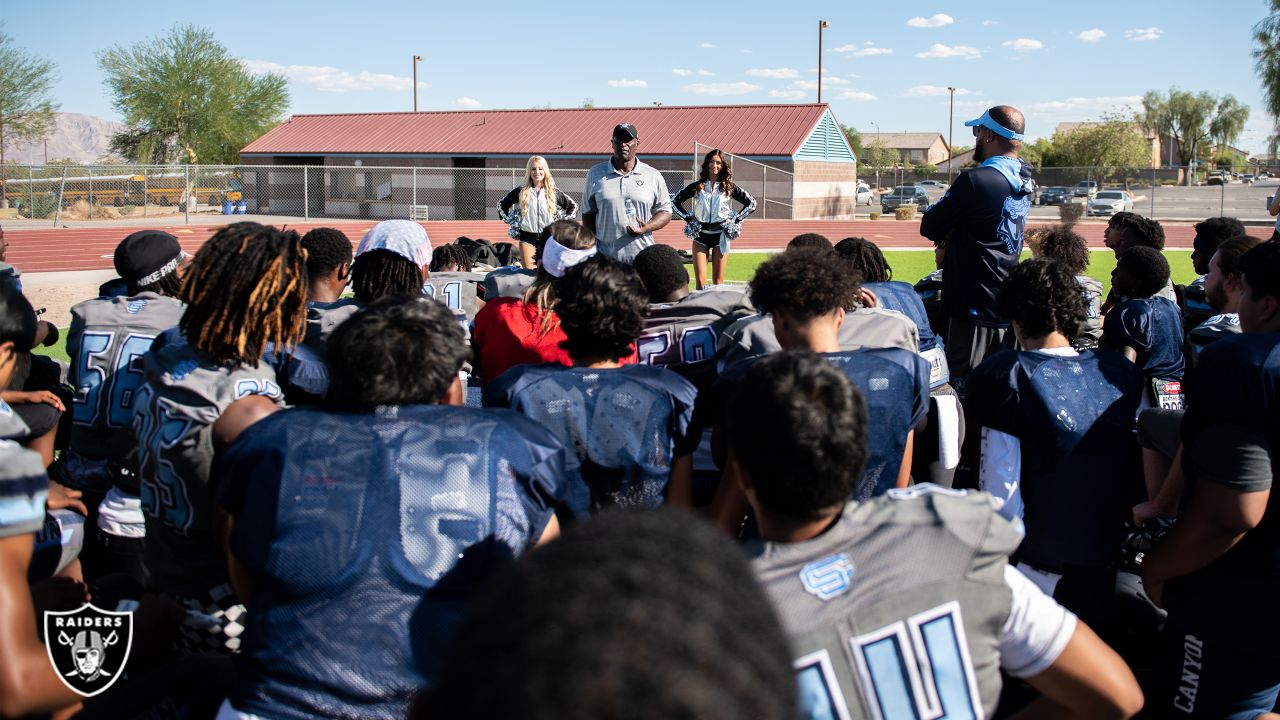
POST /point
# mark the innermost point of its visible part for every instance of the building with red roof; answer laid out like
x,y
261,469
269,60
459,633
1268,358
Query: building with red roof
x,y
457,164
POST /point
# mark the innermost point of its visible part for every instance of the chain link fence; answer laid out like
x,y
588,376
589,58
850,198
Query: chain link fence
x,y
172,194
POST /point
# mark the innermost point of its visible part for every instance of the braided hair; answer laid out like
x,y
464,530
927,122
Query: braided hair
x,y
383,273
246,287
866,257
450,256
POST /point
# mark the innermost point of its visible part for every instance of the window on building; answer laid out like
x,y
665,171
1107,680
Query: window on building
x,y
917,156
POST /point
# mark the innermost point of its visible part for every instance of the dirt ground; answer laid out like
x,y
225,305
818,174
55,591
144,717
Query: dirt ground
x,y
57,292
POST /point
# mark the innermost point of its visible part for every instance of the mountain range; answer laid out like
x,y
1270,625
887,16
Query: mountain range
x,y
82,138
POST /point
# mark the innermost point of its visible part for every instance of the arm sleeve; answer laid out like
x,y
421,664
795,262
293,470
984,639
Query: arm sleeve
x,y
248,489
662,196
1236,456
686,434
509,201
943,215
1037,631
748,203
1128,325
920,406
588,205
568,207
682,197
74,336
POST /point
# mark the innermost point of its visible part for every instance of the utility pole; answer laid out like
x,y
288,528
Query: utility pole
x,y
416,59
951,121
821,24
873,122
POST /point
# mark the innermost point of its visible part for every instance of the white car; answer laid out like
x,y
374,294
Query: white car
x,y
932,184
1109,202
865,196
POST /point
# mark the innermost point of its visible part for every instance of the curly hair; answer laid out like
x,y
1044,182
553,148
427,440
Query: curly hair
x,y
668,622
805,283
384,273
244,288
809,240
1042,295
399,350
798,426
1145,268
662,271
1210,234
866,258
1132,229
725,178
450,258
1061,243
602,307
327,248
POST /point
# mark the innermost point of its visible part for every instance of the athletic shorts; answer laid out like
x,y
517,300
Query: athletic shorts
x,y
1204,677
1160,429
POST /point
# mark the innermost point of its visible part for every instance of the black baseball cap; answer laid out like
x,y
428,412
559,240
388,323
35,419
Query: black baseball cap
x,y
625,130
146,256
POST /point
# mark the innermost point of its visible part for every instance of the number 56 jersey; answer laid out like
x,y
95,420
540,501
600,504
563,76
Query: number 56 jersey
x,y
907,608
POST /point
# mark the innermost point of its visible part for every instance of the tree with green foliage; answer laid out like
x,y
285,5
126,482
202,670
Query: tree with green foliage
x,y
1228,121
879,156
1042,153
26,103
1193,119
184,98
1105,146
924,171
854,138
1266,63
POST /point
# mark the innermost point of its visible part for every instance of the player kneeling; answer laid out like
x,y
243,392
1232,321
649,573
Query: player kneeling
x,y
359,529
876,594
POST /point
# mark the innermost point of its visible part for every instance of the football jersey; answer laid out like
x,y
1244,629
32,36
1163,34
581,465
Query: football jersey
x,y
906,608
901,297
1090,332
1195,304
184,394
622,427
507,282
683,335
1078,468
1208,332
1152,327
457,290
365,534
24,486
105,345
322,318
753,336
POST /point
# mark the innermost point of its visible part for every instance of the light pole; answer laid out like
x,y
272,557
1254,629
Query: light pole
x,y
951,121
416,59
821,24
873,122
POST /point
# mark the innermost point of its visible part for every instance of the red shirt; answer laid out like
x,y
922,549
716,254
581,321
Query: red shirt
x,y
508,332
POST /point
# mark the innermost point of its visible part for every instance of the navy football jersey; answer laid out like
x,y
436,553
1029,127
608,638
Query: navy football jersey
x,y
1195,304
1073,418
622,426
1152,327
323,318
684,335
364,534
901,297
1208,332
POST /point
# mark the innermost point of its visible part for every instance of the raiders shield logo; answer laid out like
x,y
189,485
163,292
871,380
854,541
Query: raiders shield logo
x,y
88,647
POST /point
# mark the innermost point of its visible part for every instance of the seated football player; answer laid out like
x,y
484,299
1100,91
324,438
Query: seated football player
x,y
1219,567
449,280
643,614
929,288
358,530
1146,327
1210,234
244,288
909,590
936,451
1062,243
329,262
1057,442
627,427
805,293
389,261
1125,230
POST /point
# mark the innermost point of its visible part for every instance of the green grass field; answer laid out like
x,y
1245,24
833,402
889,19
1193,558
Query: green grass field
x,y
908,266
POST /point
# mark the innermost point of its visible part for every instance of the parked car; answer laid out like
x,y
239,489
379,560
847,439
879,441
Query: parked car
x,y
904,195
938,184
1086,188
1056,195
1109,202
865,196
1247,178
1217,177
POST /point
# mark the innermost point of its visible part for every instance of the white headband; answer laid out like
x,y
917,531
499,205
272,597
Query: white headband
x,y
557,259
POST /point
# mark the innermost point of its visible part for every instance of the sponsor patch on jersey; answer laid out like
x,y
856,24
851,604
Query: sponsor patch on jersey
x,y
828,578
135,306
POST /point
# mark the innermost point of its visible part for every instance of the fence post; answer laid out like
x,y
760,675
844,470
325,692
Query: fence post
x,y
89,197
306,196
186,194
413,207
765,194
1222,198
62,186
31,194
1153,193
144,191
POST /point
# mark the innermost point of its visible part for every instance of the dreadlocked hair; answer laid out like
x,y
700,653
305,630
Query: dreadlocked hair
x,y
246,287
448,256
541,295
384,273
866,257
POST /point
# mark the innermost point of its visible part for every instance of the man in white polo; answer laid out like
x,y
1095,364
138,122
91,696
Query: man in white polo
x,y
624,200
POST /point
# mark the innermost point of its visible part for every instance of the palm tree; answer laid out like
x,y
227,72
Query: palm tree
x,y
1266,62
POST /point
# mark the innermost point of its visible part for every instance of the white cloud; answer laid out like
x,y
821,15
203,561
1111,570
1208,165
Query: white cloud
x,y
788,94
872,51
469,102
705,73
931,22
628,84
1083,106
708,46
938,50
734,88
682,72
813,70
1140,34
1091,36
857,96
332,79
843,49
1023,44
828,80
989,23
745,51
868,43
932,91
775,73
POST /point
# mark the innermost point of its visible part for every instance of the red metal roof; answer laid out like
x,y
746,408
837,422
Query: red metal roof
x,y
775,130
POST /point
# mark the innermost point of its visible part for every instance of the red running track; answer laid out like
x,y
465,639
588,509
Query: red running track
x,y
62,249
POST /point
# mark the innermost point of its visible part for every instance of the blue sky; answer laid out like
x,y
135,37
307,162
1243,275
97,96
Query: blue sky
x,y
887,63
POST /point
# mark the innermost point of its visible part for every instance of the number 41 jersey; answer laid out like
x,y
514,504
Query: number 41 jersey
x,y
907,608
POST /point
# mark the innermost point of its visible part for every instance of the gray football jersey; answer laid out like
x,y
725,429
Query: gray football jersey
x,y
897,610
685,335
457,290
106,342
862,328
507,282
184,394
23,483
1091,329
322,318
